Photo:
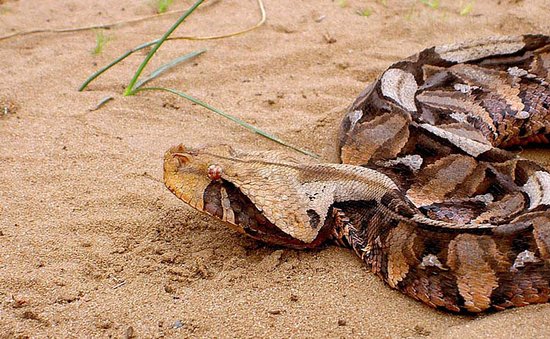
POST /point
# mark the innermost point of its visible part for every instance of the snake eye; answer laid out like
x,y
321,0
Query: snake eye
x,y
215,172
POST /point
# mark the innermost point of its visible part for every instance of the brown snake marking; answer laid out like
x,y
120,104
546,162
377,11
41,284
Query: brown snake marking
x,y
430,196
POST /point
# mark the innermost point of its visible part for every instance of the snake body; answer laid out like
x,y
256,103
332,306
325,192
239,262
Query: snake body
x,y
431,193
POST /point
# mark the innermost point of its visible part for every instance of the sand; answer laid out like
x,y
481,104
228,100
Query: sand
x,y
91,242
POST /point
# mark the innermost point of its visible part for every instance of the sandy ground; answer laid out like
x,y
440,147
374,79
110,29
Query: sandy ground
x,y
93,245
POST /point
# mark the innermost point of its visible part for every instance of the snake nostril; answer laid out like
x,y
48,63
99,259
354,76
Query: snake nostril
x,y
181,158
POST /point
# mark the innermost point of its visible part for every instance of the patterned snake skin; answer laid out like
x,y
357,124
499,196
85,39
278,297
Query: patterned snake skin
x,y
431,195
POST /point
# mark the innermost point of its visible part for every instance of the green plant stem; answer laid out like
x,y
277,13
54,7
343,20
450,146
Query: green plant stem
x,y
114,62
130,89
167,66
230,117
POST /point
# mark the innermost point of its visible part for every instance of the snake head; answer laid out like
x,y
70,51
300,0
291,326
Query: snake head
x,y
252,196
182,175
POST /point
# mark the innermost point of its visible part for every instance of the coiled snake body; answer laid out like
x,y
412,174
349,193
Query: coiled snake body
x,y
431,195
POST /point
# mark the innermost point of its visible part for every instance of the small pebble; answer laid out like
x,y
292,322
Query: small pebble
x,y
129,333
18,303
342,322
420,330
169,289
104,324
328,38
30,315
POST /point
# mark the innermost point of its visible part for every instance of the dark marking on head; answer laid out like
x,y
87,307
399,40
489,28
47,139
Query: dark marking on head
x,y
212,199
314,218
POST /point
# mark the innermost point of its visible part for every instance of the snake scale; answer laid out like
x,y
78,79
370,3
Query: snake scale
x,y
431,193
